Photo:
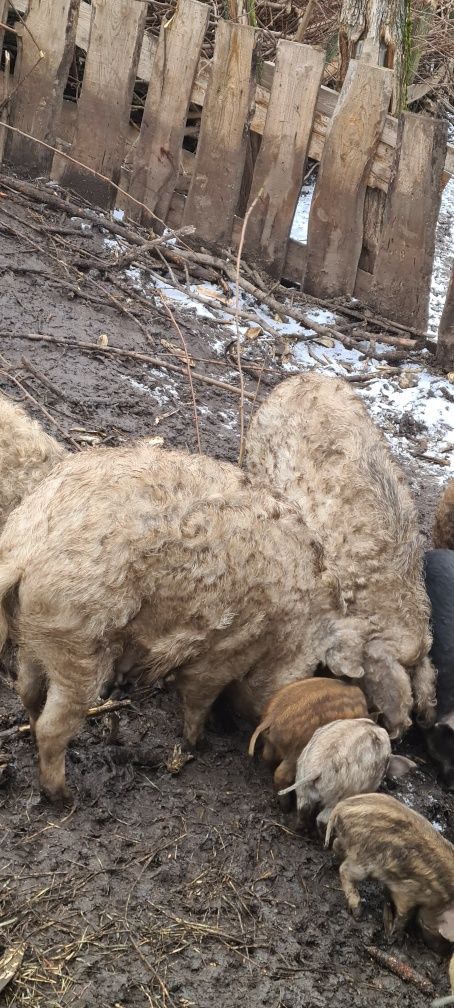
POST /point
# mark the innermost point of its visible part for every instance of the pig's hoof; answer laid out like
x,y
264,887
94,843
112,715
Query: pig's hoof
x,y
357,911
60,799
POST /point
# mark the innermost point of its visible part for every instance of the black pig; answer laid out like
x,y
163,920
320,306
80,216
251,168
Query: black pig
x,y
439,575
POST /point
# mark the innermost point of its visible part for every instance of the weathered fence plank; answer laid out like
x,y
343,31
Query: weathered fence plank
x,y
36,105
105,100
326,102
402,275
158,150
335,227
4,8
279,168
445,346
221,150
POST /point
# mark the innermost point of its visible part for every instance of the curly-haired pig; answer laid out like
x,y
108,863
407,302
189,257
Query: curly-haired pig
x,y
342,759
146,561
439,572
294,714
314,439
443,530
377,837
27,455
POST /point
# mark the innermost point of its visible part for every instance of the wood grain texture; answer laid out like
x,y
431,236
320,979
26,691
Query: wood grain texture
x,y
445,346
280,164
335,228
159,148
221,150
104,105
326,103
36,105
403,268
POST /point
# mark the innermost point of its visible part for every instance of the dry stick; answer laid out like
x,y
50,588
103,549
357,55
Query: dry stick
x,y
135,254
221,305
80,276
301,30
106,708
55,202
128,354
237,324
47,382
361,334
86,168
35,402
400,969
178,256
191,383
7,100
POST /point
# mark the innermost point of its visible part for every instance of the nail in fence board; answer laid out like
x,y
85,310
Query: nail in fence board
x,y
401,282
158,150
36,105
279,168
116,33
445,346
335,230
221,150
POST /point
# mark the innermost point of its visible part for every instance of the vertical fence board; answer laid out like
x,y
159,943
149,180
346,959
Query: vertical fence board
x,y
36,105
158,150
445,347
279,168
104,105
221,150
4,8
335,228
401,282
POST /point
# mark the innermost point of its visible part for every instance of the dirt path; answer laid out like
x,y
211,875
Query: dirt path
x,y
163,890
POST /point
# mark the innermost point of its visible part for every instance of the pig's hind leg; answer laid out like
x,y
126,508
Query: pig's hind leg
x,y
67,702
199,684
352,871
31,686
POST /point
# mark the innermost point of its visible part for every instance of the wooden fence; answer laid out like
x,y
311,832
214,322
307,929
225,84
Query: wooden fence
x,y
363,152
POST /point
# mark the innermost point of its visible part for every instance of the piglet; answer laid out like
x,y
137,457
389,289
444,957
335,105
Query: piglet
x,y
293,715
439,574
344,758
378,837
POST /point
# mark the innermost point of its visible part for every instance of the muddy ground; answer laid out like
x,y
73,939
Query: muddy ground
x,y
162,889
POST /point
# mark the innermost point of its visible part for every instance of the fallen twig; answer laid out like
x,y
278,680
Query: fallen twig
x,y
188,364
132,354
46,381
400,969
237,322
107,708
134,255
36,403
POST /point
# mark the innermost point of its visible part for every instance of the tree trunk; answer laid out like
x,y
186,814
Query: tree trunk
x,y
373,31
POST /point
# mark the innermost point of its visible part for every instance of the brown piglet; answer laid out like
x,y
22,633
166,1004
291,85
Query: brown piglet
x,y
377,837
293,715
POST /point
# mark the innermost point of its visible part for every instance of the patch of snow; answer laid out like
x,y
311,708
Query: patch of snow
x,y
135,274
113,243
444,255
118,215
301,218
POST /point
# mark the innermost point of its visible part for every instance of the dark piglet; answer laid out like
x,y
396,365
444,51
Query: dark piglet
x,y
439,575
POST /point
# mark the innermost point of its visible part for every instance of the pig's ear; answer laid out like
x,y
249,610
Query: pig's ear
x,y
341,668
399,766
445,924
